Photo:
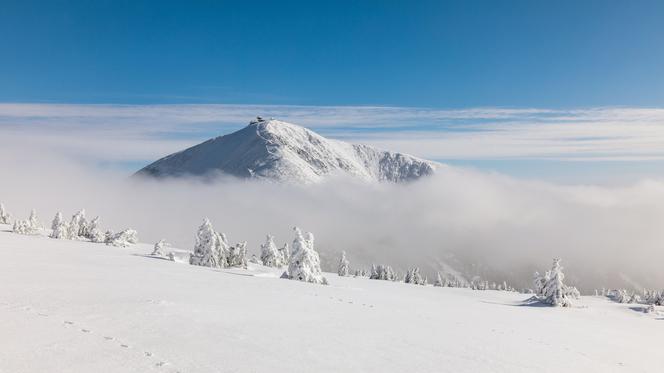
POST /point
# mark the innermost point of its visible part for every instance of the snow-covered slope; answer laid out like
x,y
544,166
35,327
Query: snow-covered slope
x,y
280,151
71,306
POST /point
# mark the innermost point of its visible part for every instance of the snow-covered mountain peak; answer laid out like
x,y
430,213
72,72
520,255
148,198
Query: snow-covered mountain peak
x,y
280,151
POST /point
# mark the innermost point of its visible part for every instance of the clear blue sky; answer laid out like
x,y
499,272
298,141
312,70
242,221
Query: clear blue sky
x,y
444,54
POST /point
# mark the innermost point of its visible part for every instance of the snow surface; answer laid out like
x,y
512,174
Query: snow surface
x,y
284,152
73,306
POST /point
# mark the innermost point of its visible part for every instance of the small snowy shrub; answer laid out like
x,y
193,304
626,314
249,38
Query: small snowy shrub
x,y
30,226
158,249
125,238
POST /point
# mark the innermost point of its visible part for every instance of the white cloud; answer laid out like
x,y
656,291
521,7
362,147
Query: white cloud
x,y
146,132
477,222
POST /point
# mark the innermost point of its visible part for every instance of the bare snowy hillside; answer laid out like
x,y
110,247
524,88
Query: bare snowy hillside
x,y
74,306
284,152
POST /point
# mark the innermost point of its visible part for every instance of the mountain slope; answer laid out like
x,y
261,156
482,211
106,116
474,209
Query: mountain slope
x,y
280,151
85,307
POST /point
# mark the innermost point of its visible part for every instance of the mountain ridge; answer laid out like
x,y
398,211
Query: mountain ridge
x,y
284,152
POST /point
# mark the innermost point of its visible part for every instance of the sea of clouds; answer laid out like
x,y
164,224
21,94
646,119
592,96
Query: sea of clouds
x,y
473,222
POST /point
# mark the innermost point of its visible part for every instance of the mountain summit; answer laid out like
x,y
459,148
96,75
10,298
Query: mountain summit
x,y
284,152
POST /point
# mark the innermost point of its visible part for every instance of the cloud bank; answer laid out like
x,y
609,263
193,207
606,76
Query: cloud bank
x,y
147,132
476,223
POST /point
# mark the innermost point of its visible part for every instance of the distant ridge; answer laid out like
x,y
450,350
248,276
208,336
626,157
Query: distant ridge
x,y
284,152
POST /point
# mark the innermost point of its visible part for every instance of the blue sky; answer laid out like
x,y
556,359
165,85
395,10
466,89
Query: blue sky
x,y
443,54
564,90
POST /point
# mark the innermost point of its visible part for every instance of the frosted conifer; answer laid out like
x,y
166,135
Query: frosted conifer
x,y
305,262
343,269
270,255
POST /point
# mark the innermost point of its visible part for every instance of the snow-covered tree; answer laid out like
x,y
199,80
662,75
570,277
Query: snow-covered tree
x,y
5,217
413,276
382,272
108,236
209,250
124,239
57,220
304,262
270,255
158,249
93,232
237,255
343,269
78,225
539,281
34,221
555,292
285,254
59,227
29,226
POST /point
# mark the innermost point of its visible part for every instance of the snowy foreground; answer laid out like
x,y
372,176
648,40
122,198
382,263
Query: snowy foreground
x,y
68,306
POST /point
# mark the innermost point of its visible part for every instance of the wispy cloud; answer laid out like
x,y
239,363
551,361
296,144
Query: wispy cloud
x,y
144,132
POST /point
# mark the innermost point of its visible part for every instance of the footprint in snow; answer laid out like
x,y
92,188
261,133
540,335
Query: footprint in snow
x,y
161,364
108,338
69,322
147,353
86,330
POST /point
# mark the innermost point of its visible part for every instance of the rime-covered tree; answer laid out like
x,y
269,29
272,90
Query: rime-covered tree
x,y
555,292
539,281
93,232
124,239
208,248
270,255
78,225
237,255
57,220
158,249
382,272
304,262
33,220
59,227
5,217
413,276
30,226
343,269
285,254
